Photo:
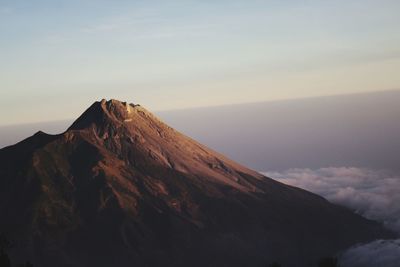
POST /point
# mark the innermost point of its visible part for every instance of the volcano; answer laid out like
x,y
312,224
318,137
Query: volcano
x,y
121,188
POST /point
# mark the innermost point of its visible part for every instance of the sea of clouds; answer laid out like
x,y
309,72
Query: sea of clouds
x,y
371,193
380,253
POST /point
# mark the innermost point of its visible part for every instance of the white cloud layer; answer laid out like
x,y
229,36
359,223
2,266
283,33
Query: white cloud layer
x,y
373,194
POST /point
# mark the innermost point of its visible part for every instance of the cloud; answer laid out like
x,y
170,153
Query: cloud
x,y
371,193
147,26
378,253
116,23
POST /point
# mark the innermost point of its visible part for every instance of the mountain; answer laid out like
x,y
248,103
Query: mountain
x,y
121,188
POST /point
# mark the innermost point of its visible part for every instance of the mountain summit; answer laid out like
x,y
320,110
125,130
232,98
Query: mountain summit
x,y
121,188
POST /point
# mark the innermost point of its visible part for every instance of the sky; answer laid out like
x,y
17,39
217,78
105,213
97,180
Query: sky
x,y
57,57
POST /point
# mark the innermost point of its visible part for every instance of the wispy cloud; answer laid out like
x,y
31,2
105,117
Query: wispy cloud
x,y
132,19
146,25
121,22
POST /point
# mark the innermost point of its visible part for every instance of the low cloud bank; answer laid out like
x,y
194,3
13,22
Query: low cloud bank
x,y
373,194
385,253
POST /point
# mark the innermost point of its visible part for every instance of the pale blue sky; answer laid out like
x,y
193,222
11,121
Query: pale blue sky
x,y
56,57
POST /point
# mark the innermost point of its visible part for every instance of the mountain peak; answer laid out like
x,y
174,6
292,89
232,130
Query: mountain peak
x,y
105,111
114,104
118,109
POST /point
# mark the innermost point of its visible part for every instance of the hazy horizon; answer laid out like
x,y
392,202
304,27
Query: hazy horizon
x,y
69,119
333,131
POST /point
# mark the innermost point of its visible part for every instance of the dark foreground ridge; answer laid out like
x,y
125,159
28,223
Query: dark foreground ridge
x,y
121,188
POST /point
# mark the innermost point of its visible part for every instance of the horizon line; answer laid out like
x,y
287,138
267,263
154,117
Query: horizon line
x,y
215,106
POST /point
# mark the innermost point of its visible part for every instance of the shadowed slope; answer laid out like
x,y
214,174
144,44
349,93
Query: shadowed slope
x,y
120,188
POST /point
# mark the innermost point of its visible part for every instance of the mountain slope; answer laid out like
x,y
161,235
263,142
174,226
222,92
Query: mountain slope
x,y
121,188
